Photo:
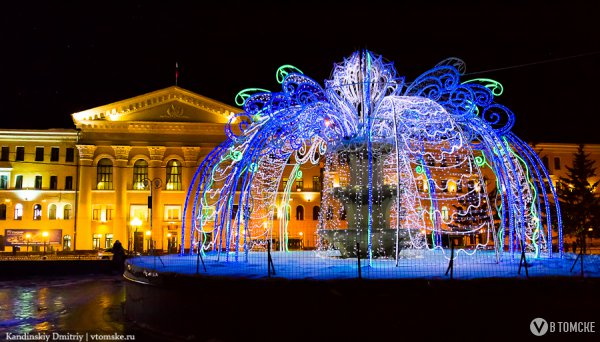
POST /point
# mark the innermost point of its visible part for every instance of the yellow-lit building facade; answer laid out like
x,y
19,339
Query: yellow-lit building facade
x,y
124,171
38,175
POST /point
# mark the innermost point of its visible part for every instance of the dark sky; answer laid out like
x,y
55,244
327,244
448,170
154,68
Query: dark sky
x,y
63,57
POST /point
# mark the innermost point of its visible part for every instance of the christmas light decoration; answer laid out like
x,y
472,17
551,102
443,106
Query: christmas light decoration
x,y
417,166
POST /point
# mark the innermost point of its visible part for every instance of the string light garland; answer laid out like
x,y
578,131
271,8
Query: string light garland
x,y
406,167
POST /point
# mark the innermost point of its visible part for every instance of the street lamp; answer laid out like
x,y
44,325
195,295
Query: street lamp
x,y
153,184
27,240
45,235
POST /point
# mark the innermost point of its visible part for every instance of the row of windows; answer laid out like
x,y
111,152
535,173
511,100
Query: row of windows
x,y
39,154
299,213
300,183
104,175
38,182
37,212
447,185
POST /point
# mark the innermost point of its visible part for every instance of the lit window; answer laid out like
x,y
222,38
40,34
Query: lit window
x,y
140,174
39,154
556,163
299,184
54,154
300,213
3,181
104,178
173,212
19,182
70,155
67,210
445,213
96,241
20,153
38,182
108,240
37,211
53,182
173,175
18,211
52,211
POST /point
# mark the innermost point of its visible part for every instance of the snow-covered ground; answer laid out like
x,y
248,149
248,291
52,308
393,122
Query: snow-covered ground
x,y
419,264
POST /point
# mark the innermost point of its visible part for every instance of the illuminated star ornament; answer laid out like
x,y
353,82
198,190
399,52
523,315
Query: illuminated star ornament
x,y
407,167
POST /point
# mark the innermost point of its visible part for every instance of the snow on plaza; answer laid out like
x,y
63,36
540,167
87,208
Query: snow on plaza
x,y
417,176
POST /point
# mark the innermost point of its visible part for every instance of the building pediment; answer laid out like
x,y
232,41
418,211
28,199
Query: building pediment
x,y
171,104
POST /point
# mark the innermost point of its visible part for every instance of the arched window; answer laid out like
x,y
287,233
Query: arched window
x,y
67,212
18,211
104,178
140,173
52,211
316,211
300,213
2,211
173,175
37,211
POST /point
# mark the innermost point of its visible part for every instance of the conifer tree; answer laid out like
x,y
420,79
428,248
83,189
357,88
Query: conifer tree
x,y
579,204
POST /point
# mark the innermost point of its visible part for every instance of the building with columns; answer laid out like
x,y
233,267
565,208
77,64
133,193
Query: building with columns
x,y
136,160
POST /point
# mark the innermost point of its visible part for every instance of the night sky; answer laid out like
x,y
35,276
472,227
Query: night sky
x,y
58,59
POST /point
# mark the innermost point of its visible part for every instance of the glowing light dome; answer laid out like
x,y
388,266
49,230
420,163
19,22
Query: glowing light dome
x,y
408,167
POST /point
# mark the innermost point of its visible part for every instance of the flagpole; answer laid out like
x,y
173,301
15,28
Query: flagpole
x,y
176,72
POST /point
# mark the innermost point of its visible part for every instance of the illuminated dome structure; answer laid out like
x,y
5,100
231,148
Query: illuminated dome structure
x,y
409,168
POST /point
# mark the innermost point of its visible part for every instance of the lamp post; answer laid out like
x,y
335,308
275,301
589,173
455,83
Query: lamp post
x,y
27,239
153,184
591,230
45,236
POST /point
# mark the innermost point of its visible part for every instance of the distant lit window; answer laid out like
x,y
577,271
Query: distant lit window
x,y
140,174
284,183
39,154
3,181
18,211
19,182
173,175
316,210
67,242
445,213
104,178
67,212
69,183
5,153
54,151
556,163
96,241
299,184
300,213
70,155
316,183
173,212
37,211
53,182
52,212
20,153
108,240
38,182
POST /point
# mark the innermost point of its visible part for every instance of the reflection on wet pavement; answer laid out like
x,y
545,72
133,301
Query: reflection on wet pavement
x,y
74,304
